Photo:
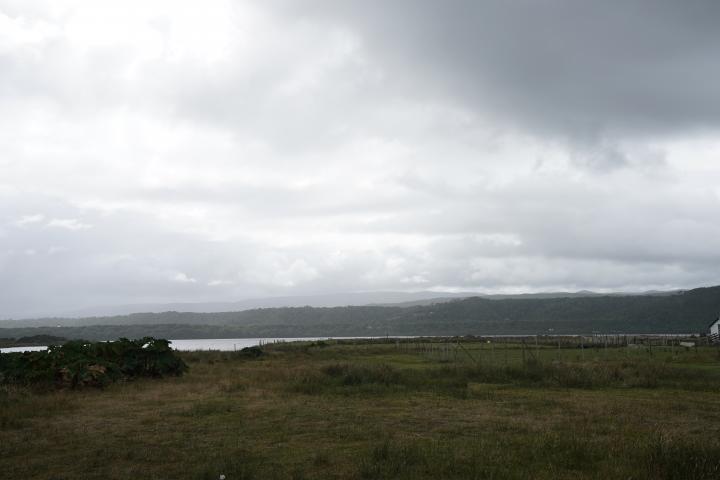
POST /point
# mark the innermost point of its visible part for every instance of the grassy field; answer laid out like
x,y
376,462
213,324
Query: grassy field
x,y
371,410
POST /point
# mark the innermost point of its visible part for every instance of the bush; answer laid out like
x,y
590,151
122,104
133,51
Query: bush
x,y
79,363
251,352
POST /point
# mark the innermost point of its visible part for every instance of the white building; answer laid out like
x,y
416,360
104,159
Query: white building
x,y
715,331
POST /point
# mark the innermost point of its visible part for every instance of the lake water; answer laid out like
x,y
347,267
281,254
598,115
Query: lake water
x,y
230,344
22,349
222,344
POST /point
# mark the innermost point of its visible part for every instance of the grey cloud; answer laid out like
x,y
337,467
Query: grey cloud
x,y
459,145
586,72
130,259
616,220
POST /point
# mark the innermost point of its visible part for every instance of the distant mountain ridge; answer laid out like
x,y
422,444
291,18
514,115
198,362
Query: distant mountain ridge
x,y
328,300
681,312
381,298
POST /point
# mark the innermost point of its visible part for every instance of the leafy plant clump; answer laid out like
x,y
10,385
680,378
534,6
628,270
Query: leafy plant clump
x,y
79,363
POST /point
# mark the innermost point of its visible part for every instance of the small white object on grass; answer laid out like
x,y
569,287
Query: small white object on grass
x,y
222,477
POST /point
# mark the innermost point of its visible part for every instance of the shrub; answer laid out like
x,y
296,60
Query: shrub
x,y
251,352
79,363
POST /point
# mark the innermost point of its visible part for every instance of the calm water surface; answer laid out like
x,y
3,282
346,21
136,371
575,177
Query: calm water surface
x,y
21,349
222,344
230,344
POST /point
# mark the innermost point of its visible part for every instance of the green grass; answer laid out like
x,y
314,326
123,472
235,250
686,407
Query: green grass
x,y
374,410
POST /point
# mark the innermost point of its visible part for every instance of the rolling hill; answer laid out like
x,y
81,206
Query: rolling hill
x,y
676,312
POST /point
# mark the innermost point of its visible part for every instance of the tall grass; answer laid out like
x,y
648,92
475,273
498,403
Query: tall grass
x,y
656,457
347,378
671,458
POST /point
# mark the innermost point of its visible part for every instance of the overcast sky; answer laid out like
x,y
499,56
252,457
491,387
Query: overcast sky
x,y
196,151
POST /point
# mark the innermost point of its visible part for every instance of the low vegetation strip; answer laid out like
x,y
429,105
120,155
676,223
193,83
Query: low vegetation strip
x,y
79,363
458,380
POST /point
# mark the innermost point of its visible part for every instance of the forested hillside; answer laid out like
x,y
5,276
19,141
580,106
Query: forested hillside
x,y
685,312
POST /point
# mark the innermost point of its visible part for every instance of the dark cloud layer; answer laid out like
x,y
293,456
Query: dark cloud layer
x,y
581,70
